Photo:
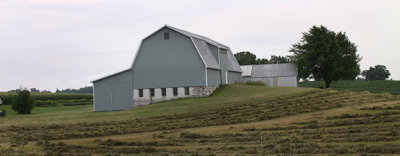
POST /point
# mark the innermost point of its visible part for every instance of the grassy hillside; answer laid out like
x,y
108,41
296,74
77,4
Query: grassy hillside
x,y
392,87
238,119
229,95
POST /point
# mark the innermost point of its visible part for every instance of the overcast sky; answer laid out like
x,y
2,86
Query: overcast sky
x,y
49,44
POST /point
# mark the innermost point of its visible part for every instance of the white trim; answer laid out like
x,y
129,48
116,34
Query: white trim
x,y
226,75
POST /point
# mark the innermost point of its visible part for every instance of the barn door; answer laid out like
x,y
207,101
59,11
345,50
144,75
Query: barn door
x,y
120,95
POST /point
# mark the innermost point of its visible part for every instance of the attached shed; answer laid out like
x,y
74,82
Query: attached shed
x,y
113,92
271,74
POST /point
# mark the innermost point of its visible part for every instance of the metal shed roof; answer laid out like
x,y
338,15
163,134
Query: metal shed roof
x,y
270,70
111,75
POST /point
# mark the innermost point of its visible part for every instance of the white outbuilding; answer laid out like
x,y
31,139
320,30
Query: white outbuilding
x,y
271,74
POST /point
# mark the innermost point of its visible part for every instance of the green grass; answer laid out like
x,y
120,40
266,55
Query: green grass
x,y
42,111
392,87
231,95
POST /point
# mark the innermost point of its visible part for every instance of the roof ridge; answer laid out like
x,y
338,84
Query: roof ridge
x,y
201,37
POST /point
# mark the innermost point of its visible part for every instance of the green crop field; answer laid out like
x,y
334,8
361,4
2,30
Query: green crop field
x,y
392,87
51,99
236,120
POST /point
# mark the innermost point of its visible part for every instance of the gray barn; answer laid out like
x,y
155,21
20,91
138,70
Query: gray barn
x,y
271,74
170,63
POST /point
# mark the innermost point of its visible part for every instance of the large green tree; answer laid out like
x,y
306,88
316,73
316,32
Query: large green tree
x,y
326,55
379,72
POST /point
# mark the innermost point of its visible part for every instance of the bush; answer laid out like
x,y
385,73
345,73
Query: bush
x,y
23,103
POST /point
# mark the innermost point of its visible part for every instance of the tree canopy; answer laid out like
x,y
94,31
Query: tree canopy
x,y
379,72
245,58
326,55
248,58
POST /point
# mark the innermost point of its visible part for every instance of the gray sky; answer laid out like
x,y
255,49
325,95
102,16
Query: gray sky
x,y
49,44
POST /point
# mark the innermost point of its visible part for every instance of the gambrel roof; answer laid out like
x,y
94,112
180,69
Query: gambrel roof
x,y
200,42
205,52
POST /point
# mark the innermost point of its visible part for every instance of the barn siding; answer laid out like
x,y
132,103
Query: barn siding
x,y
113,93
214,77
290,81
168,63
234,77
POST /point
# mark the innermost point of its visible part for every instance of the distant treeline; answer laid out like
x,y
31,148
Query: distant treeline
x,y
8,97
88,89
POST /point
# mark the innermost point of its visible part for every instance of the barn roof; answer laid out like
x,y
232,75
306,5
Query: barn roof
x,y
111,75
205,52
270,70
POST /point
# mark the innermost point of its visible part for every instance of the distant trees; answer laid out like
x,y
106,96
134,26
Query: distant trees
x,y
248,58
278,59
379,72
23,102
87,89
32,90
326,55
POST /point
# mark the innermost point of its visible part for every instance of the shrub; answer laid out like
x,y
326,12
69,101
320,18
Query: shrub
x,y
23,103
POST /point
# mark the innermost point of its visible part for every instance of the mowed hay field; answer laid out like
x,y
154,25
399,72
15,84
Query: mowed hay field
x,y
379,86
236,120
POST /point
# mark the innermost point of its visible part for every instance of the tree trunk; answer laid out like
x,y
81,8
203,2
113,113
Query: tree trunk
x,y
327,83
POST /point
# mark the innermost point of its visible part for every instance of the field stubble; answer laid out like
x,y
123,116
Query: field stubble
x,y
374,132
